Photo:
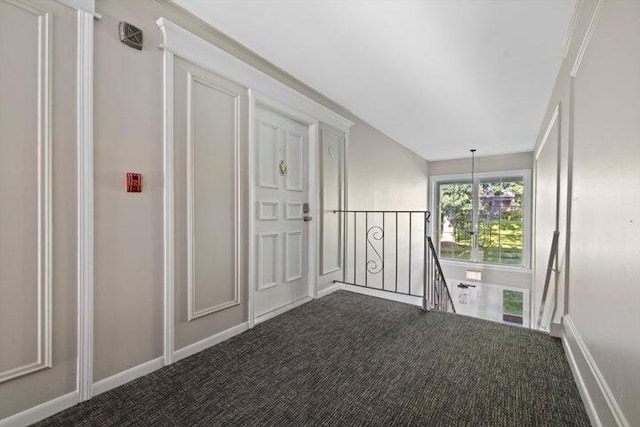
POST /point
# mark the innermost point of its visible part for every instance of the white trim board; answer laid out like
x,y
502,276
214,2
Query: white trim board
x,y
192,312
601,405
587,37
42,411
150,366
127,375
85,203
168,207
251,244
552,121
283,309
568,39
204,344
391,296
329,290
87,6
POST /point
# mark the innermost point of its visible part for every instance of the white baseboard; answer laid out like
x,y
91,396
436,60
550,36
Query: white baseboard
x,y
283,309
407,299
601,406
209,342
329,290
42,411
125,376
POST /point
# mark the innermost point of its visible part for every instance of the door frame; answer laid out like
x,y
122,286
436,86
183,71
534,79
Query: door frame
x,y
263,88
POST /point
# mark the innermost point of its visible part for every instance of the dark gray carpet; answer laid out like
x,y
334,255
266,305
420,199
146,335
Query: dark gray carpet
x,y
352,360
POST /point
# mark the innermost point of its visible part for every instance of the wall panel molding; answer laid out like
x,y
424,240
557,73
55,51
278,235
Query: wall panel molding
x,y
192,312
555,119
332,146
43,358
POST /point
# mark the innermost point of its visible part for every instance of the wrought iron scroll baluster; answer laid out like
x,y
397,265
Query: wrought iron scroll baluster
x,y
434,293
375,233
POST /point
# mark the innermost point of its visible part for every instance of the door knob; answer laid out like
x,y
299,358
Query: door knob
x,y
307,218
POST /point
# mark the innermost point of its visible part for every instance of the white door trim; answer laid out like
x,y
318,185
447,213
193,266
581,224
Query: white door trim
x,y
85,199
168,214
263,90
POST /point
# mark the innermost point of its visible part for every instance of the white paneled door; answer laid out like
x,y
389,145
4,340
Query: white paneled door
x,y
281,223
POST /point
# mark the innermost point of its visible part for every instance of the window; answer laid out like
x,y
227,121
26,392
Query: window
x,y
495,204
513,307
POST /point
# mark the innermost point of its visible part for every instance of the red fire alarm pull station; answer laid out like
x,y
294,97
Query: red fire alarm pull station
x,y
134,182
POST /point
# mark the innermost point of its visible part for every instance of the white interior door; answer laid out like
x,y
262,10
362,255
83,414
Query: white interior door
x,y
281,194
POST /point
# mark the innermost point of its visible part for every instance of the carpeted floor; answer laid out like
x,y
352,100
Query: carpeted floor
x,y
353,360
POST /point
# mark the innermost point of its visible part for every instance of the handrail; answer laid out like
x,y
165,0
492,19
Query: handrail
x,y
428,213
439,282
550,268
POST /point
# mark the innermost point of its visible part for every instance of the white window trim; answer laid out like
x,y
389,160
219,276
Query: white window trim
x,y
526,209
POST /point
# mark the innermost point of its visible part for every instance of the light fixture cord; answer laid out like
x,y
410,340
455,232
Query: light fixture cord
x,y
473,186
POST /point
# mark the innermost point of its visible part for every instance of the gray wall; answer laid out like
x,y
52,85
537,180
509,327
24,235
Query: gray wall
x,y
128,284
384,175
505,162
599,202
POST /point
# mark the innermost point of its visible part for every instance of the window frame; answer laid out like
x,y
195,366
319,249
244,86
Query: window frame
x,y
525,174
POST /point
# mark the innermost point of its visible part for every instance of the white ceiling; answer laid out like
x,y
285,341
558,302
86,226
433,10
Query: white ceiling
x,y
440,77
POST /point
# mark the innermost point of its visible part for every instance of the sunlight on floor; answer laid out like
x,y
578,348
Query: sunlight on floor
x,y
502,304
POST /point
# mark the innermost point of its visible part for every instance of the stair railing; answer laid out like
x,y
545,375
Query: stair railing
x,y
390,251
440,296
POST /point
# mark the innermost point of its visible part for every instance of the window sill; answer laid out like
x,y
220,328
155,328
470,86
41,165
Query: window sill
x,y
483,267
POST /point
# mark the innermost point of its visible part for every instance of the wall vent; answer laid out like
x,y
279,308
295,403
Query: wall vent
x,y
131,35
